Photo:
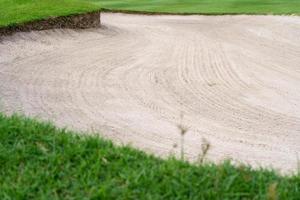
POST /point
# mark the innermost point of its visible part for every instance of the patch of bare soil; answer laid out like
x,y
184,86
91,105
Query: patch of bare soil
x,y
236,79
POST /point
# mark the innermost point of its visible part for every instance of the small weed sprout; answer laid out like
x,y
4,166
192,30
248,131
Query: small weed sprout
x,y
183,130
298,164
205,146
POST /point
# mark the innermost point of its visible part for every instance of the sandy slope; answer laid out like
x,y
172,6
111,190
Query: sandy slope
x,y
236,79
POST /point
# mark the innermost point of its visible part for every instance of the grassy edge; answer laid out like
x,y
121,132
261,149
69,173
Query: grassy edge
x,y
16,24
30,149
125,11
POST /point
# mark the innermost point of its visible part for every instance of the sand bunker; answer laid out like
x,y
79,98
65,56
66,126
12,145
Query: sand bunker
x,y
236,79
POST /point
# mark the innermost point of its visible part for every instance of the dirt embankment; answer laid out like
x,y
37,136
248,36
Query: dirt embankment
x,y
76,21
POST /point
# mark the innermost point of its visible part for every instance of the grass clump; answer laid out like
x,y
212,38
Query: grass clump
x,y
14,12
39,161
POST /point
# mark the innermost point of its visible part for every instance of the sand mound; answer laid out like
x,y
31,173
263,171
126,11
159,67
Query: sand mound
x,y
236,79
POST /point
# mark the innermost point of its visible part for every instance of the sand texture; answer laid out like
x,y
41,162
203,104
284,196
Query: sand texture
x,y
235,80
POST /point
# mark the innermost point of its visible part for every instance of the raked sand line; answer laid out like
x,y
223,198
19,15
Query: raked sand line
x,y
236,79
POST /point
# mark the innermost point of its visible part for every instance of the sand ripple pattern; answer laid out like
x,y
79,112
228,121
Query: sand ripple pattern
x,y
236,79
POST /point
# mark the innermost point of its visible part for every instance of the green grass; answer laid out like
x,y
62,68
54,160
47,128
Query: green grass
x,y
39,161
206,6
17,11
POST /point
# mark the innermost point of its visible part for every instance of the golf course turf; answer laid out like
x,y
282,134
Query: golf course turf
x,y
18,11
39,161
13,12
206,6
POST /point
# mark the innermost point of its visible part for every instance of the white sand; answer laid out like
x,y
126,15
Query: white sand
x,y
235,78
